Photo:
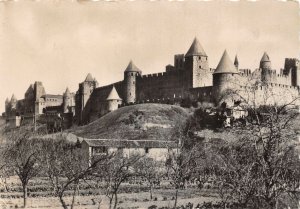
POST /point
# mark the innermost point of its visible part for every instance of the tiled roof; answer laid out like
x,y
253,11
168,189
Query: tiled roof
x,y
52,96
113,95
196,49
117,143
132,68
225,65
89,78
265,58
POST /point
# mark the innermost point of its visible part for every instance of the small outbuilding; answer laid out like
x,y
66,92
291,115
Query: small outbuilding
x,y
155,149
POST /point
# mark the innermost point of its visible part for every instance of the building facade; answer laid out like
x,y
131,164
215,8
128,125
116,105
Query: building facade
x,y
37,105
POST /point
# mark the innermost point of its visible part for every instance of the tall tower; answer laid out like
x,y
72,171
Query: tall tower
x,y
265,66
225,78
7,107
236,62
293,66
130,75
39,91
196,66
13,102
29,100
66,100
83,94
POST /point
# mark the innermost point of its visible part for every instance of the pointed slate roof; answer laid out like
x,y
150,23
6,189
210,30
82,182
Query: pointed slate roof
x,y
6,101
89,78
225,65
195,49
13,98
30,88
236,61
113,95
265,58
67,92
132,68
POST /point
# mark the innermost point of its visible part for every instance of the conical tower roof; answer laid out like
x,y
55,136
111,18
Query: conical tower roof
x,y
236,61
132,68
67,92
225,65
13,98
89,78
265,58
195,49
113,95
6,101
30,88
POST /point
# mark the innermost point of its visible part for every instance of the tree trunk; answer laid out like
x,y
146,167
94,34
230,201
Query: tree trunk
x,y
176,195
272,203
62,201
25,195
74,195
151,191
110,201
116,201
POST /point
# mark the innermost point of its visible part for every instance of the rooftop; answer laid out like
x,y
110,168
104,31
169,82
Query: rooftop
x,y
225,65
119,143
113,95
89,78
196,49
132,68
265,58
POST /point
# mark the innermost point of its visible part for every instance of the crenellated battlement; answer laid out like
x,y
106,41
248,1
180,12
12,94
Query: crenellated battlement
x,y
190,77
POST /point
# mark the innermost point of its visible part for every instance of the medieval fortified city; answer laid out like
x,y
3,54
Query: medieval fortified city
x,y
206,133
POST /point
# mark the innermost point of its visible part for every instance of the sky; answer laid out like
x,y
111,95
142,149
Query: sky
x,y
60,42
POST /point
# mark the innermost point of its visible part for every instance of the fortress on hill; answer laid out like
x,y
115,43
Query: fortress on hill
x,y
190,77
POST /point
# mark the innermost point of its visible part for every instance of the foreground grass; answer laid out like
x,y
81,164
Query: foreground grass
x,y
126,200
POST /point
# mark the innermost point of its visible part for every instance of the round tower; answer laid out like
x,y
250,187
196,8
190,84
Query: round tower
x,y
130,77
6,106
13,102
225,78
265,66
236,62
66,100
113,100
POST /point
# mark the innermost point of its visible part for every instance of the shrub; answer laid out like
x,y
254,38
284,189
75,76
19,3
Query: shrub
x,y
152,207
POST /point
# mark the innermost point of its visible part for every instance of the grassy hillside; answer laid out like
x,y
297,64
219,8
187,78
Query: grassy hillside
x,y
142,121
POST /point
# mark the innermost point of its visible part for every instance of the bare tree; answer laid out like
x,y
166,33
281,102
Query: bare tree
x,y
115,172
64,164
20,157
264,154
184,162
151,170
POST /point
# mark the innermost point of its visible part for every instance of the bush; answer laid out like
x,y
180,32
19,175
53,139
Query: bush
x,y
152,207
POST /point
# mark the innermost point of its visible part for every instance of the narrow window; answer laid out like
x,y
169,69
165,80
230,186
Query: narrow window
x,y
146,150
